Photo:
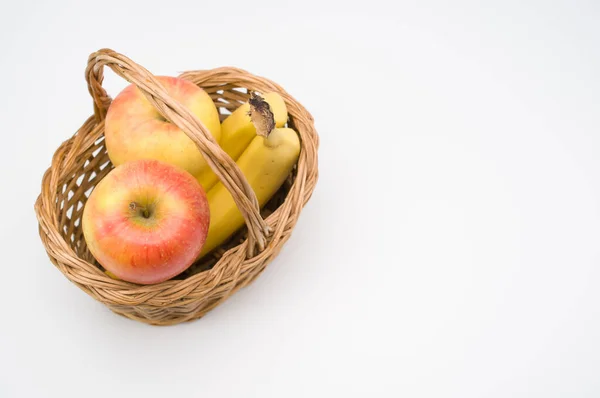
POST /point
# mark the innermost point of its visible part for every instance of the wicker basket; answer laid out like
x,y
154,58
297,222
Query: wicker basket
x,y
81,162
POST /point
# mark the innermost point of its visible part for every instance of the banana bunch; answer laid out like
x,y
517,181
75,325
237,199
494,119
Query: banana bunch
x,y
265,151
238,130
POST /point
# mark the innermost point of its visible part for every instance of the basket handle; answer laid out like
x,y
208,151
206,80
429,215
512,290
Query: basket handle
x,y
218,160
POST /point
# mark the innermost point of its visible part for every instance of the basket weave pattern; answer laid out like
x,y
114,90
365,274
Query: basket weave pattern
x,y
82,161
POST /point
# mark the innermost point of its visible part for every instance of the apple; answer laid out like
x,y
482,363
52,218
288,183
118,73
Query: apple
x,y
146,221
135,130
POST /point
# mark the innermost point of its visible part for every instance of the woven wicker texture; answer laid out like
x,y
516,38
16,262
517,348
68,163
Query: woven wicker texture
x,y
81,162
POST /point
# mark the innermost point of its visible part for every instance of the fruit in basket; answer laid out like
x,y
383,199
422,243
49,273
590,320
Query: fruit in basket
x,y
237,131
135,130
266,163
146,221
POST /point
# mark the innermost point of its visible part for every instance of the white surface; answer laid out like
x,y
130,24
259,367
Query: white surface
x,y
450,249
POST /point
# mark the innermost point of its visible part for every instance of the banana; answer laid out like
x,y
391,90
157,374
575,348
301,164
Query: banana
x,y
266,163
238,130
111,275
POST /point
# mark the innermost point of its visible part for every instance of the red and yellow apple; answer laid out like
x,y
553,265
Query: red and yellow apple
x,y
135,130
146,221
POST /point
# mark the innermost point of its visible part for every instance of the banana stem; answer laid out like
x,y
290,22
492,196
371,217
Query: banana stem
x,y
261,115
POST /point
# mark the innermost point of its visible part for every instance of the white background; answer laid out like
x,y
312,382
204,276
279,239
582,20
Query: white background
x,y
450,248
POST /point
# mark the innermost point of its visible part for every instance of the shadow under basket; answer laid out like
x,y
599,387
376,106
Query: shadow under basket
x,y
82,161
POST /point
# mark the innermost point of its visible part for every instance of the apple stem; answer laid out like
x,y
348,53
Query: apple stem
x,y
134,206
261,115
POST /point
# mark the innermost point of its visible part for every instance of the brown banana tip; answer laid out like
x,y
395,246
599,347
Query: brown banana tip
x,y
261,115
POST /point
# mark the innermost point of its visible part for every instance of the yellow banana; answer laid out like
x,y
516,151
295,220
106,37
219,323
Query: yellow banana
x,y
266,163
110,274
237,131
